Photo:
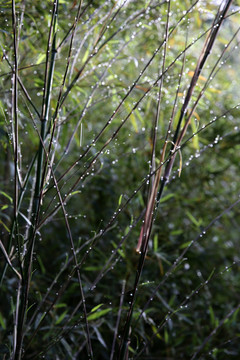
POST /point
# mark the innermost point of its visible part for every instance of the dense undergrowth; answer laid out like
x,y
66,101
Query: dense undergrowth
x,y
119,179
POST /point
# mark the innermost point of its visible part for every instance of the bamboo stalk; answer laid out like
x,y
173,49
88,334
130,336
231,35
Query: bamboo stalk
x,y
16,157
25,285
148,221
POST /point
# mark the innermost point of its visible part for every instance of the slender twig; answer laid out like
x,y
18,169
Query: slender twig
x,y
8,260
118,320
61,91
16,152
37,193
213,332
161,70
111,62
178,261
21,84
15,108
148,221
114,135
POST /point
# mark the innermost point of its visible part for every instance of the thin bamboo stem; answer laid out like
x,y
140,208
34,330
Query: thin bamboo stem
x,y
25,286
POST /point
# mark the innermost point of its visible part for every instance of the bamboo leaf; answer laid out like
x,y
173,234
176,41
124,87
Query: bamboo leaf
x,y
167,197
7,196
96,308
98,314
193,219
61,317
2,322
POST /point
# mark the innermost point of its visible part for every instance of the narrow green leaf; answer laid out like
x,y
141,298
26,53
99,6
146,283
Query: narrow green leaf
x,y
155,331
43,270
120,252
61,305
98,314
4,207
40,58
75,192
166,336
2,322
186,244
120,200
155,242
193,219
7,196
61,317
96,308
5,226
167,197
212,316
176,232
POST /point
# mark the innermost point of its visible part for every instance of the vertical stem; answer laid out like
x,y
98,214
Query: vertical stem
x,y
16,159
27,266
147,227
155,126
15,108
118,320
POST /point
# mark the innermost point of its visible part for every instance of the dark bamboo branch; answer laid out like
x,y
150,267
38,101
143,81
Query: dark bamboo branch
x,y
25,286
16,152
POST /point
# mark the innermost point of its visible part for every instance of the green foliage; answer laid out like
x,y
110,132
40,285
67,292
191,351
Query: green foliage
x,y
91,102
